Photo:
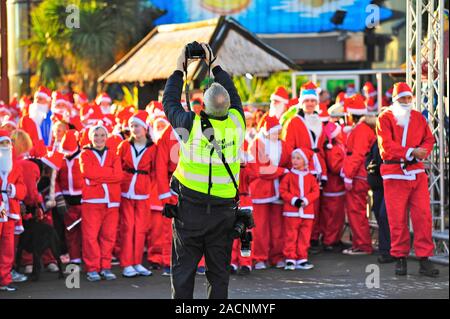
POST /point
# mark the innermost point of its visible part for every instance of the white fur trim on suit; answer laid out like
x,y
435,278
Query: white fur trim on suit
x,y
48,163
293,200
13,190
408,154
348,180
164,196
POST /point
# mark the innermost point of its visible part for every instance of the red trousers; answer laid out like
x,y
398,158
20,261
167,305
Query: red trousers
x,y
401,195
135,218
99,228
356,203
6,251
318,221
73,237
47,256
298,235
158,227
332,212
236,258
268,233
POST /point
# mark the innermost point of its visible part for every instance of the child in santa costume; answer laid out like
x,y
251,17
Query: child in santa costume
x,y
299,191
102,173
305,130
138,162
69,184
332,201
359,142
270,161
13,190
405,140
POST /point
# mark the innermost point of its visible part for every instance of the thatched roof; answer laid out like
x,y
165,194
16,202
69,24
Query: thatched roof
x,y
238,51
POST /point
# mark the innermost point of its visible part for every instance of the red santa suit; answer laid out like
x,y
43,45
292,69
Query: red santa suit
x,y
332,201
9,213
166,163
69,184
138,167
100,206
298,221
360,140
269,160
405,181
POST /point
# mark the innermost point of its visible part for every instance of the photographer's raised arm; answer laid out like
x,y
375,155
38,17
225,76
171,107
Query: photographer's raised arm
x,y
175,112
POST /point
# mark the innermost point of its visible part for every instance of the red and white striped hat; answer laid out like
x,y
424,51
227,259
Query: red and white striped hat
x,y
401,89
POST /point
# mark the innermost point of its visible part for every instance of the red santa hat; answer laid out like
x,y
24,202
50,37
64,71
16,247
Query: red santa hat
x,y
308,91
53,160
95,127
124,115
401,89
350,90
103,97
271,125
389,92
140,117
155,109
281,95
355,105
7,120
323,112
306,154
91,113
369,89
331,130
69,142
44,92
4,136
292,102
248,112
81,97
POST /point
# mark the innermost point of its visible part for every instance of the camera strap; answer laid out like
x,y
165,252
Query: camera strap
x,y
206,124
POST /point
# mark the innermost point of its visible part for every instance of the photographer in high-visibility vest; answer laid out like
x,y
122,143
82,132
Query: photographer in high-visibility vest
x,y
206,177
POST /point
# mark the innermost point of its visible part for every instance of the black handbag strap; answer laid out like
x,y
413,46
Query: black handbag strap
x,y
206,125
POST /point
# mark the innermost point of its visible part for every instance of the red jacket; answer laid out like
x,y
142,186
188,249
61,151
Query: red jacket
x,y
32,197
12,204
244,188
102,177
138,169
265,173
334,158
396,144
69,180
27,124
296,134
359,143
299,185
166,161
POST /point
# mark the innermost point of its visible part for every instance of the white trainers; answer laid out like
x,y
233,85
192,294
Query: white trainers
x,y
18,277
142,271
304,265
354,252
28,269
52,267
260,265
129,272
289,266
280,264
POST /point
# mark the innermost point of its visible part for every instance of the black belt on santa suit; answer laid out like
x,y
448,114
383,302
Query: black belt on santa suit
x,y
136,171
404,163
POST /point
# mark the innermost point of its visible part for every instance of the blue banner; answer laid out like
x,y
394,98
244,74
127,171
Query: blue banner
x,y
276,16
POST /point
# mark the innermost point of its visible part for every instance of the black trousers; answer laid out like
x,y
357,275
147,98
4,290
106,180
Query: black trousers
x,y
197,232
384,234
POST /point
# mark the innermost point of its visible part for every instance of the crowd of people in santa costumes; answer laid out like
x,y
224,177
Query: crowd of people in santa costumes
x,y
100,174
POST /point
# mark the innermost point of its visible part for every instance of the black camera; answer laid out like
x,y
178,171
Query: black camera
x,y
244,221
194,50
170,211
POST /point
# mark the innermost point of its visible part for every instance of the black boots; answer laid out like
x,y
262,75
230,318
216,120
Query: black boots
x,y
401,267
385,259
427,268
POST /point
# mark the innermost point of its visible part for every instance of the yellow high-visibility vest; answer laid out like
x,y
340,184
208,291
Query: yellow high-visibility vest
x,y
195,155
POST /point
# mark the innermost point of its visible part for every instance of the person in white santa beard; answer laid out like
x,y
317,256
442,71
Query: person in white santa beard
x,y
405,140
278,102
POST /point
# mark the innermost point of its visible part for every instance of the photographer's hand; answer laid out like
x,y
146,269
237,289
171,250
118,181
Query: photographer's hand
x,y
209,54
182,59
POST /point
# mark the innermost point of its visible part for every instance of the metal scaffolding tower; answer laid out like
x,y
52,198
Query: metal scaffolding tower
x,y
425,73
